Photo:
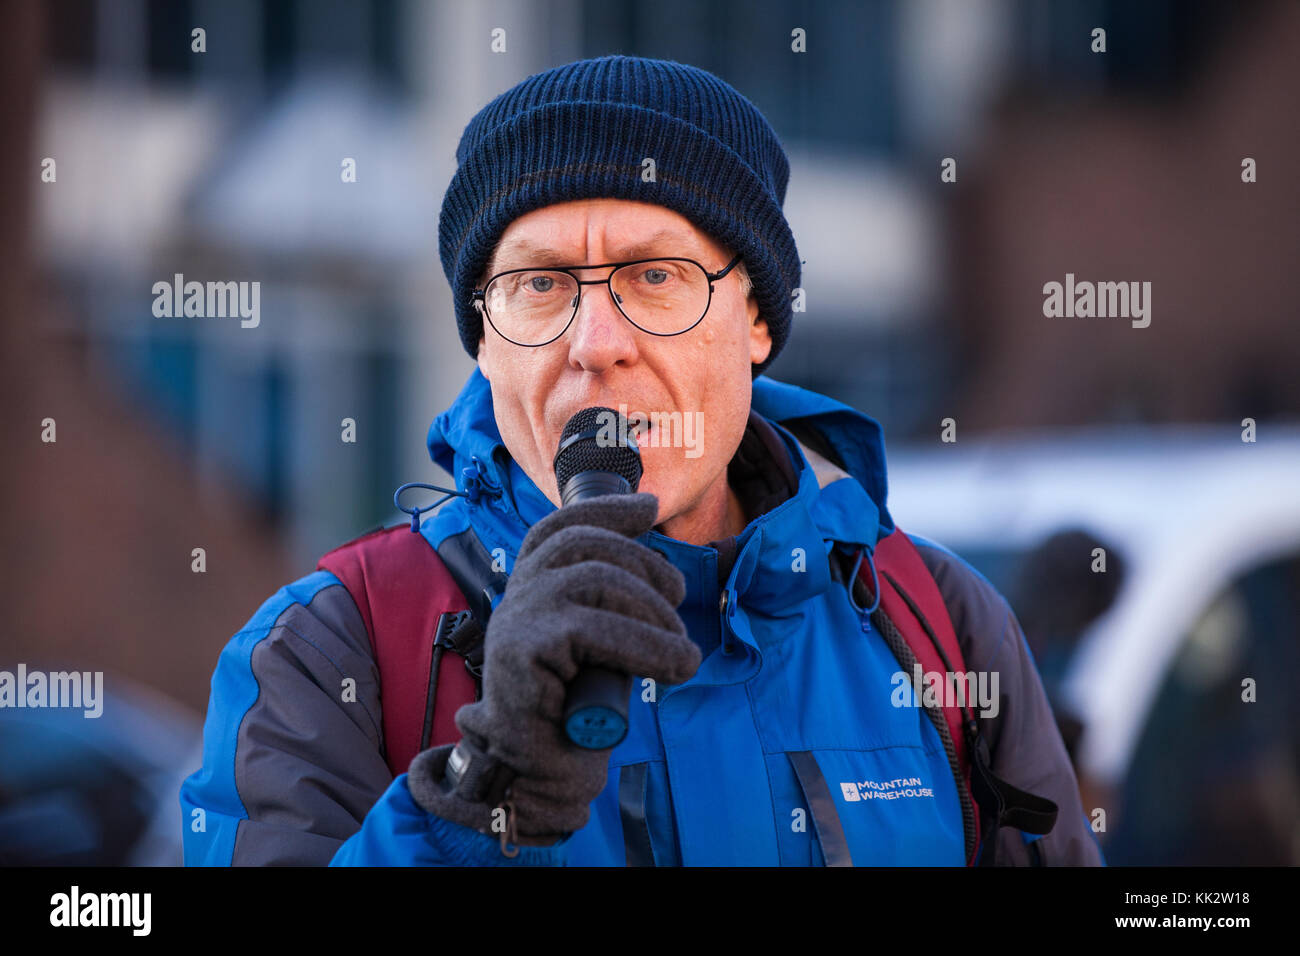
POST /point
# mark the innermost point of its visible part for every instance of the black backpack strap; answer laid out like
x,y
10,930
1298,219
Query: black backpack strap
x,y
470,566
452,627
462,632
1003,804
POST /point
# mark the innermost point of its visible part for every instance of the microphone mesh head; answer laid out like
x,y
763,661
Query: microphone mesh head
x,y
609,447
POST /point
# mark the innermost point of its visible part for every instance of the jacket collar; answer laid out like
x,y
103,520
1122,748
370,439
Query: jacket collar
x,y
796,534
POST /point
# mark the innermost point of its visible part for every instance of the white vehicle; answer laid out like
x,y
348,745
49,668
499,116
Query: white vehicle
x,y
1185,685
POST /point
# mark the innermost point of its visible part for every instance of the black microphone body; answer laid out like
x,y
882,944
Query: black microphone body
x,y
588,464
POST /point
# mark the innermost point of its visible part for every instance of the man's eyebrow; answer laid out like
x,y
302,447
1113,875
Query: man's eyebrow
x,y
532,253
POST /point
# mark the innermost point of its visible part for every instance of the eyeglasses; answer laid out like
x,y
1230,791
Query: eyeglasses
x,y
664,296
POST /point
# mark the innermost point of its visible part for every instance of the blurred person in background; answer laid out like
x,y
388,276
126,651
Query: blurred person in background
x,y
1057,597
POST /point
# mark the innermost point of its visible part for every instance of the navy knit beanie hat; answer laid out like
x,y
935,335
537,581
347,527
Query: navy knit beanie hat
x,y
582,131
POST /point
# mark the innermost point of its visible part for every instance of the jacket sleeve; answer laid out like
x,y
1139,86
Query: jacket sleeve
x,y
293,761
1024,742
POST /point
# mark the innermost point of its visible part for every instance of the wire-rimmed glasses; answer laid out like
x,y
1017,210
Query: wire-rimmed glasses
x,y
662,296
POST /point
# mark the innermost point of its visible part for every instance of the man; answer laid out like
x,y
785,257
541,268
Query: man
x,y
614,237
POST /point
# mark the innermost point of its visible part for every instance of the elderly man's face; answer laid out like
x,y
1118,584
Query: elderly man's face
x,y
602,359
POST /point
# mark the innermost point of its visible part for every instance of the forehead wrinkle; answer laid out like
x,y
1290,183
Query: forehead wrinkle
x,y
540,253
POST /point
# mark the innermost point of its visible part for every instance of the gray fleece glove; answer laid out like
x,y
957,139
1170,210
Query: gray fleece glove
x,y
583,593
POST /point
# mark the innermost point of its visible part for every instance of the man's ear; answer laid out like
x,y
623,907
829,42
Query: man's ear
x,y
484,366
483,359
760,338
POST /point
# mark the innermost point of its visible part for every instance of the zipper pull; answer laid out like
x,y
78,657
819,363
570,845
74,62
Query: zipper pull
x,y
723,602
509,848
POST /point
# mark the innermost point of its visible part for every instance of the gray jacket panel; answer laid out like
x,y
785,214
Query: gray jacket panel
x,y
309,762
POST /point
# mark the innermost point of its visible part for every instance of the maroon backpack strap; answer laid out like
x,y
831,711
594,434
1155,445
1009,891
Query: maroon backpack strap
x,y
911,600
407,599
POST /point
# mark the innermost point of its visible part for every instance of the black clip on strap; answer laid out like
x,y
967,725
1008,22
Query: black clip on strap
x,y
1001,803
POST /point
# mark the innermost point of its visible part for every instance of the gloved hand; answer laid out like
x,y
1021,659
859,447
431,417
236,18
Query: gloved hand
x,y
583,593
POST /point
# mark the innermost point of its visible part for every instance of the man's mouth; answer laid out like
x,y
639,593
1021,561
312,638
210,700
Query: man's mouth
x,y
639,429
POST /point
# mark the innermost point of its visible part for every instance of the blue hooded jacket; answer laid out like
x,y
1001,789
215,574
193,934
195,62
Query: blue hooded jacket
x,y
787,746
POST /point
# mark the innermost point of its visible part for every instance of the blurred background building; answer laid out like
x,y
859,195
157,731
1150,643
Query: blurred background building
x,y
924,298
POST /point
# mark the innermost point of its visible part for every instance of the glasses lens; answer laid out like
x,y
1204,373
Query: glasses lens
x,y
531,308
664,297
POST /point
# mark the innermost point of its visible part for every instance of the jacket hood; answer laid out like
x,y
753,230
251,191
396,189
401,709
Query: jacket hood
x,y
830,505
468,430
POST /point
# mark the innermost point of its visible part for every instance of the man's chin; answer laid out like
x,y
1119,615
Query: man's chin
x,y
650,486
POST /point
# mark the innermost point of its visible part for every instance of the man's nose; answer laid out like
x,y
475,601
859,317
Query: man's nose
x,y
601,335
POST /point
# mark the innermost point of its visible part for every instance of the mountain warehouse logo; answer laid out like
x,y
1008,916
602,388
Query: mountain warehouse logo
x,y
899,788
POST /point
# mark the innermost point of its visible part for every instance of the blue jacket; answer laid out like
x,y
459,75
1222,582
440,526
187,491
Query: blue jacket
x,y
787,737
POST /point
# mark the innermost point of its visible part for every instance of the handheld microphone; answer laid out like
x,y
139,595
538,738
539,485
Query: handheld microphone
x,y
595,712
